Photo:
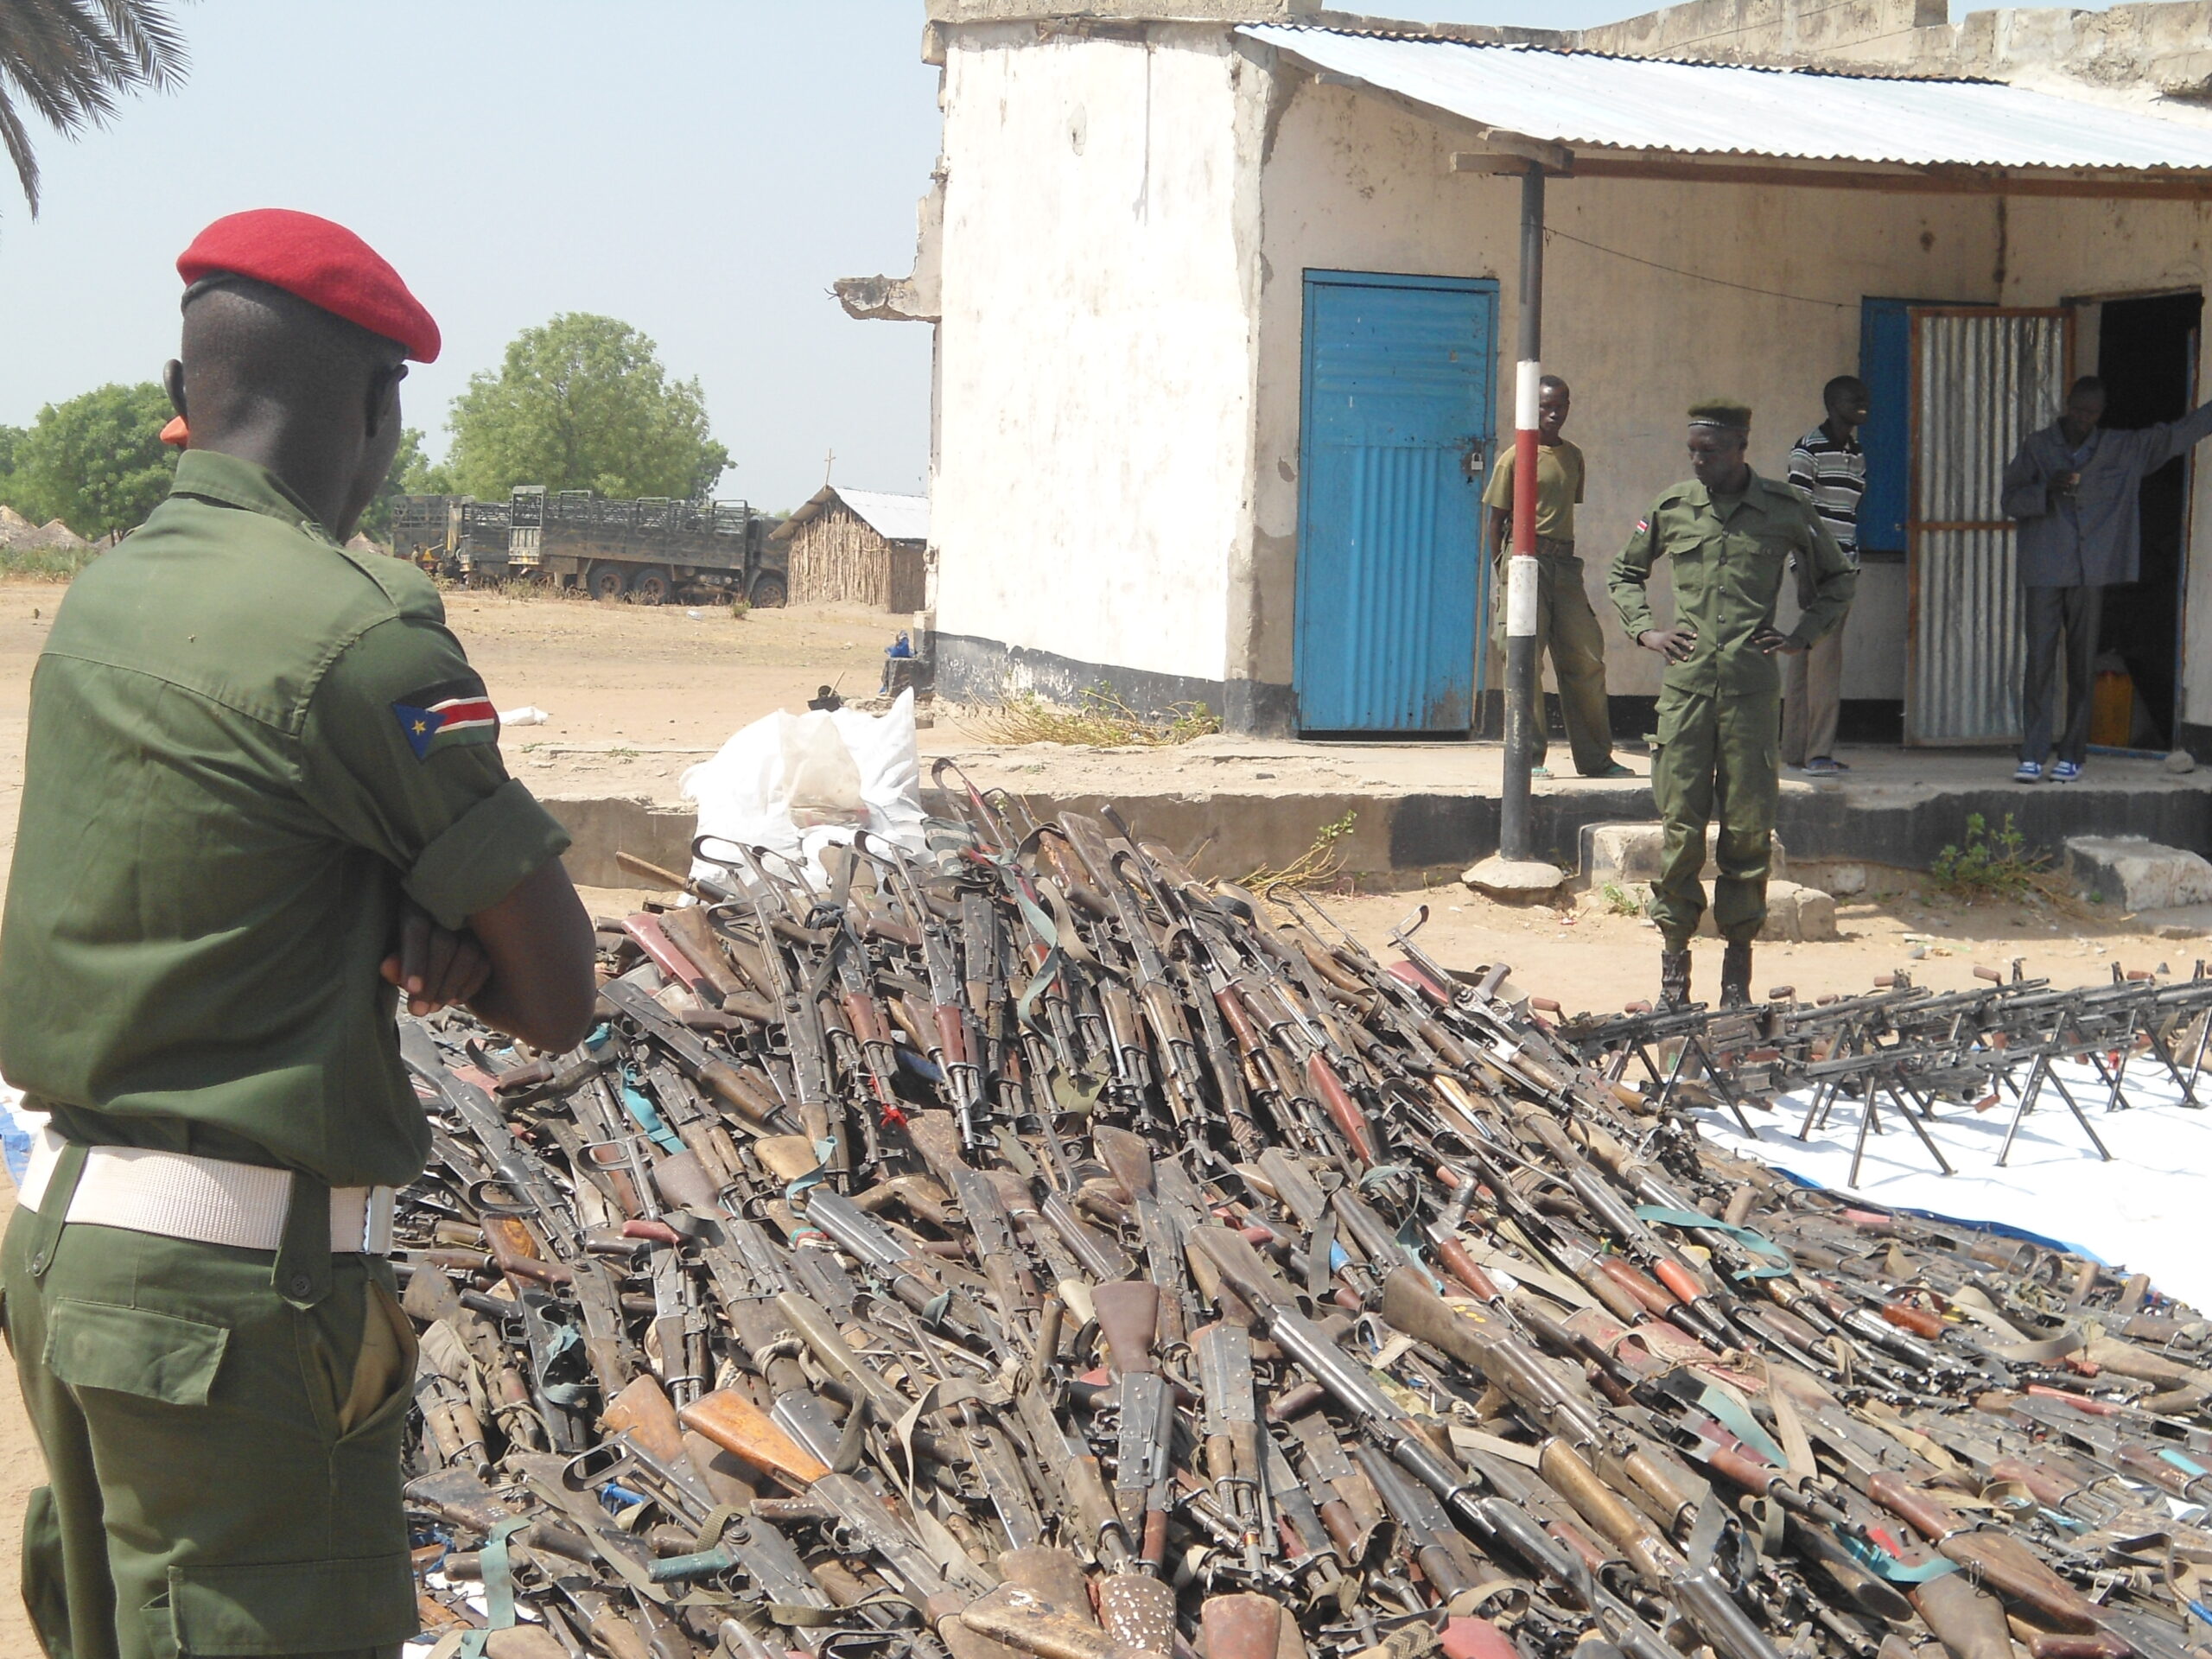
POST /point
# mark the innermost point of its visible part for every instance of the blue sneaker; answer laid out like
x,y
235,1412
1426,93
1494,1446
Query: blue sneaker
x,y
2030,771
2065,772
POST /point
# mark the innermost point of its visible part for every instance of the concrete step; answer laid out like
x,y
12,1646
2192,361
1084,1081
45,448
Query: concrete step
x,y
2136,873
1622,853
1794,915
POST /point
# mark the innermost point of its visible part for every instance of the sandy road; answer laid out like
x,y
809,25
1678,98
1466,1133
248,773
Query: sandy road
x,y
636,695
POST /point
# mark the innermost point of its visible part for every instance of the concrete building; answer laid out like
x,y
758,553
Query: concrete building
x,y
1224,290
859,547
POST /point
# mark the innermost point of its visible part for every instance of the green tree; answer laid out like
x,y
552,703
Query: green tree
x,y
97,462
69,62
583,404
11,446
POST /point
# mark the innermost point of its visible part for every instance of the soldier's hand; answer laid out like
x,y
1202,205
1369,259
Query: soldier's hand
x,y
1770,641
1676,644
434,967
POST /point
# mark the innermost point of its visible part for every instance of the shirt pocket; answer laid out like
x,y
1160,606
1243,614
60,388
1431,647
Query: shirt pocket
x,y
1689,552
2101,486
1683,541
1756,567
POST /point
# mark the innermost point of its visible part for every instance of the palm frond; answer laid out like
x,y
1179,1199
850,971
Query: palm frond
x,y
70,62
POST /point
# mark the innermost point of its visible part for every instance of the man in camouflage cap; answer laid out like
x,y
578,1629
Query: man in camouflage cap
x,y
1729,535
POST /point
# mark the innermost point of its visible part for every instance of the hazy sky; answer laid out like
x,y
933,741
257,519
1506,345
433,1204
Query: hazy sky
x,y
701,168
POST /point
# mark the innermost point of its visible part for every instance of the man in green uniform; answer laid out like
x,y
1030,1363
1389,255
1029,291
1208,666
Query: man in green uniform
x,y
1730,536
1565,626
263,788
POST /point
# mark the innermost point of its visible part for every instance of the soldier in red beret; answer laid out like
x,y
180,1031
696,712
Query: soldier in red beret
x,y
262,801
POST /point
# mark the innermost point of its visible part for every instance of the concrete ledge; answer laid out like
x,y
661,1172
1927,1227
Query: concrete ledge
x,y
1512,880
1845,839
2136,873
599,827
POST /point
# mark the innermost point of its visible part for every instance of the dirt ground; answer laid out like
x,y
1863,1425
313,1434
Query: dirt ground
x,y
636,696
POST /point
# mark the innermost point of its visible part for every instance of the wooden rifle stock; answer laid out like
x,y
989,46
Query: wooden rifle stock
x,y
1022,1620
689,931
1344,1112
1996,1559
1240,1627
743,1430
1566,1472
643,1411
1968,1620
515,1251
1138,1611
645,930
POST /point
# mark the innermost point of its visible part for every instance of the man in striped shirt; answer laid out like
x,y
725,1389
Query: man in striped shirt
x,y
1828,468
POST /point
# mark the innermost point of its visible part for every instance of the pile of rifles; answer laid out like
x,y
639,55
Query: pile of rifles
x,y
1022,1248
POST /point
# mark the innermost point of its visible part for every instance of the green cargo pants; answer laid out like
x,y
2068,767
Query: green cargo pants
x,y
1567,628
1714,755
223,1464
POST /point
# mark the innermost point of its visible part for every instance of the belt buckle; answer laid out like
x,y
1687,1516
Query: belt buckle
x,y
376,1226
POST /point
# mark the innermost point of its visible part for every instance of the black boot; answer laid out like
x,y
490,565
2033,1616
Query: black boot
x,y
1736,975
1674,978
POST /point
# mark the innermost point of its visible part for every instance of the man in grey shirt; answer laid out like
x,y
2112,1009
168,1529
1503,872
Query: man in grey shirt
x,y
2074,489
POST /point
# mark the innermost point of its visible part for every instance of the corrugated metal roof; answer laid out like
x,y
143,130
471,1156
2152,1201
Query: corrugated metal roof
x,y
1584,100
894,518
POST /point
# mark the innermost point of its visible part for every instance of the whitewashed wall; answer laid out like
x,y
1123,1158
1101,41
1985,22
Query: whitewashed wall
x,y
1096,347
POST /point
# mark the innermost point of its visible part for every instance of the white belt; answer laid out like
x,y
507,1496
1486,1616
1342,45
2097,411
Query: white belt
x,y
207,1200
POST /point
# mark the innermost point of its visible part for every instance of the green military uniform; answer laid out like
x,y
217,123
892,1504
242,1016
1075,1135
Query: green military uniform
x,y
1565,626
1716,745
246,744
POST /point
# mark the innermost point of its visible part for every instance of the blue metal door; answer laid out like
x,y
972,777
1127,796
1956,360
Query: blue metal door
x,y
1886,364
1396,429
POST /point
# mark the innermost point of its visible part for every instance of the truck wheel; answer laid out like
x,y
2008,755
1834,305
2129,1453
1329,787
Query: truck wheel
x,y
653,586
607,582
769,593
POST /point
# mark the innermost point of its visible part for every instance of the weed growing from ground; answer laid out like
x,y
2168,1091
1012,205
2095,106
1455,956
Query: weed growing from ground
x,y
1319,866
1998,866
1098,719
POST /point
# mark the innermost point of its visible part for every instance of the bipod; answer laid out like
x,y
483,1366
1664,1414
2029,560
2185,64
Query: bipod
x,y
1874,1069
2039,1072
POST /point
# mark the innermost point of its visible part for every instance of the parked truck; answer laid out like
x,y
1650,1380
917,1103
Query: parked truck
x,y
653,550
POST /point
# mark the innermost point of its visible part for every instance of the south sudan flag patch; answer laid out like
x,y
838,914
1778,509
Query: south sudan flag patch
x,y
446,717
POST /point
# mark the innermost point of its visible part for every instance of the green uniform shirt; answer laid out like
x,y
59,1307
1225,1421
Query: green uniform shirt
x,y
245,743
1730,554
1559,487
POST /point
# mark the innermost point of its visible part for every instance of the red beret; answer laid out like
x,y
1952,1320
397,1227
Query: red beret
x,y
323,264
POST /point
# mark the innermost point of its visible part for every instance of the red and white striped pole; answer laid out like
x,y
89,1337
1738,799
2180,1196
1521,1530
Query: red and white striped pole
x,y
1516,838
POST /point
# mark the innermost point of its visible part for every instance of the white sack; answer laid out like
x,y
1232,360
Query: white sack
x,y
799,782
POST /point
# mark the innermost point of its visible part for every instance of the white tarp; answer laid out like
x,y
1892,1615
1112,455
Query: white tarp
x,y
2144,1211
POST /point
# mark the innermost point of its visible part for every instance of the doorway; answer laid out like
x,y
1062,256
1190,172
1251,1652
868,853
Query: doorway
x,y
2146,356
